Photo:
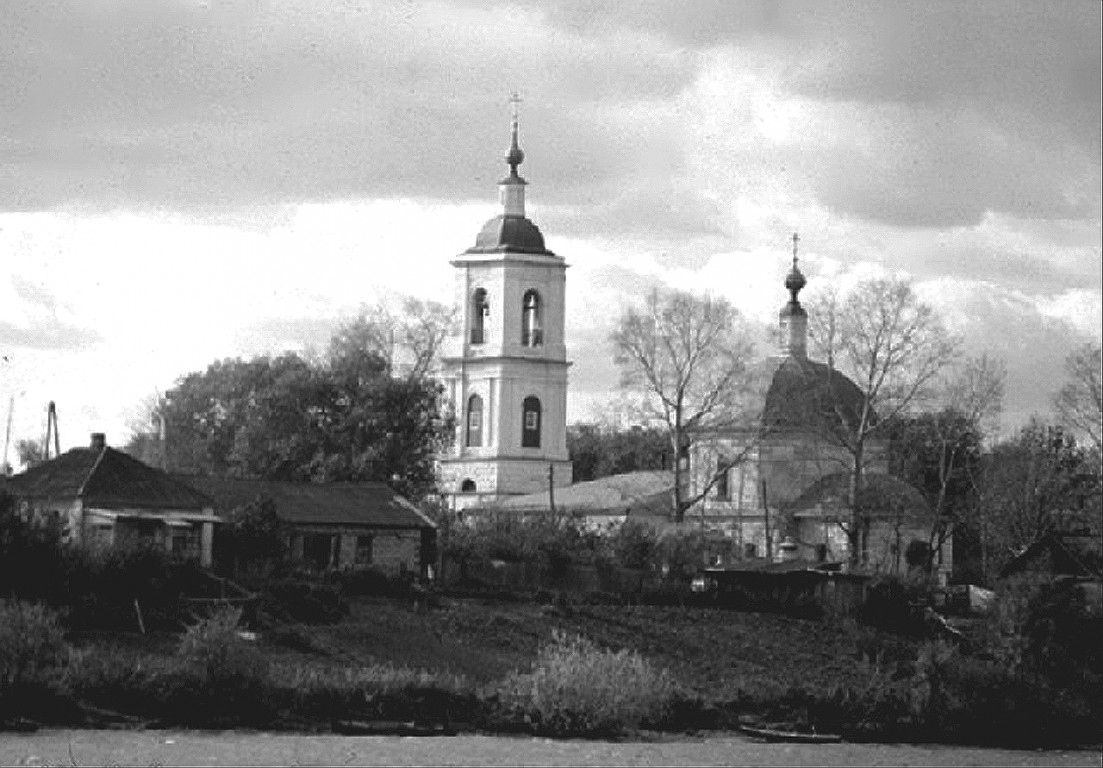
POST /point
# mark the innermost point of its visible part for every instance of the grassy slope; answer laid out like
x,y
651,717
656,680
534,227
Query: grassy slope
x,y
716,652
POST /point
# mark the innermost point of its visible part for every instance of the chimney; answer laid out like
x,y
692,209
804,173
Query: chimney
x,y
99,441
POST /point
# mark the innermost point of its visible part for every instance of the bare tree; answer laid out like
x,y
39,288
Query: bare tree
x,y
893,347
407,339
1080,402
688,357
973,401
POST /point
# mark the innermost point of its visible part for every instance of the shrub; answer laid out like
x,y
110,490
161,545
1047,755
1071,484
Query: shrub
x,y
213,648
33,652
576,688
32,643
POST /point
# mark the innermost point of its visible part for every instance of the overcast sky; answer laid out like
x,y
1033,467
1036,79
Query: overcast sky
x,y
182,181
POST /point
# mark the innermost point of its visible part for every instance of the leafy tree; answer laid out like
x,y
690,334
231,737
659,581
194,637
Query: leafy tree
x,y
939,452
1037,482
892,346
688,358
341,417
599,451
30,451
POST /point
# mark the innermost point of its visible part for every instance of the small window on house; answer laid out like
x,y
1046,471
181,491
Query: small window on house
x,y
480,310
474,421
467,486
532,331
723,490
364,545
530,429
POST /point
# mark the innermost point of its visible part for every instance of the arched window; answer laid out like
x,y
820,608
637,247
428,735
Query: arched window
x,y
467,486
474,421
480,310
530,424
532,321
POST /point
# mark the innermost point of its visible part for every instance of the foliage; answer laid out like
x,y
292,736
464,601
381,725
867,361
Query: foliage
x,y
688,357
599,451
32,643
214,649
254,536
1038,481
346,416
576,688
547,538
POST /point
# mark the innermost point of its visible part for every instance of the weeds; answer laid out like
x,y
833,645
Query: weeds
x,y
576,688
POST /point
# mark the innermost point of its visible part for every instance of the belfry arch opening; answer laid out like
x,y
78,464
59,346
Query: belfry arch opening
x,y
480,311
532,319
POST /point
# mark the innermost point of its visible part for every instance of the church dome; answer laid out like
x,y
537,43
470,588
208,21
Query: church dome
x,y
804,394
510,233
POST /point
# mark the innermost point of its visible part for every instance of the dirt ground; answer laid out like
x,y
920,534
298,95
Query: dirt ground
x,y
166,748
713,651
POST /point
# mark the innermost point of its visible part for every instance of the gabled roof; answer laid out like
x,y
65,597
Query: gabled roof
x,y
105,477
1058,555
632,493
372,505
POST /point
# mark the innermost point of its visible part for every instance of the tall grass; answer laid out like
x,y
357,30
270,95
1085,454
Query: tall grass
x,y
576,688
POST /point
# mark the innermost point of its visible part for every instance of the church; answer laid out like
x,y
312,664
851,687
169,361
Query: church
x,y
505,365
777,490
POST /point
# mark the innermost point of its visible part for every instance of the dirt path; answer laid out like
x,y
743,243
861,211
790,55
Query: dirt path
x,y
164,748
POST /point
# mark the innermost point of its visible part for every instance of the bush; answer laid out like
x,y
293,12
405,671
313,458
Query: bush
x,y
32,644
33,653
576,688
214,649
305,601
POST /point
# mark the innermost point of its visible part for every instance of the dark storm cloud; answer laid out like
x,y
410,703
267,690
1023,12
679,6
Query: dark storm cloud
x,y
206,106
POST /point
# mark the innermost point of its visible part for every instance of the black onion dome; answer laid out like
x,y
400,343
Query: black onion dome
x,y
510,233
808,395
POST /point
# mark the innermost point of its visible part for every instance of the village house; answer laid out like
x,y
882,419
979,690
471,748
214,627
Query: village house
x,y
334,526
102,497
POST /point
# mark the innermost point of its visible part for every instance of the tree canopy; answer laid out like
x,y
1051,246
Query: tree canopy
x,y
345,416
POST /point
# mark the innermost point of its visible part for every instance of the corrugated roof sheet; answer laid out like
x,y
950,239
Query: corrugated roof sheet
x,y
634,493
105,478
373,505
880,493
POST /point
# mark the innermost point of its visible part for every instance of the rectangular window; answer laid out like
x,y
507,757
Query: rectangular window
x,y
532,421
723,489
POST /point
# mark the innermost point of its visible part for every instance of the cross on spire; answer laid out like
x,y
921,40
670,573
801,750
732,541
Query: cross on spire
x,y
796,239
514,157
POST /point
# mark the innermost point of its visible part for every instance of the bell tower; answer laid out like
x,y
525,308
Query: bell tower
x,y
505,365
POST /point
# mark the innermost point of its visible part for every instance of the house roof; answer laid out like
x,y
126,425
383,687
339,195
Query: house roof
x,y
1058,554
372,505
105,477
645,493
880,493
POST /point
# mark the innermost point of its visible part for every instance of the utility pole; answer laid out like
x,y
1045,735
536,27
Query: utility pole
x,y
551,487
